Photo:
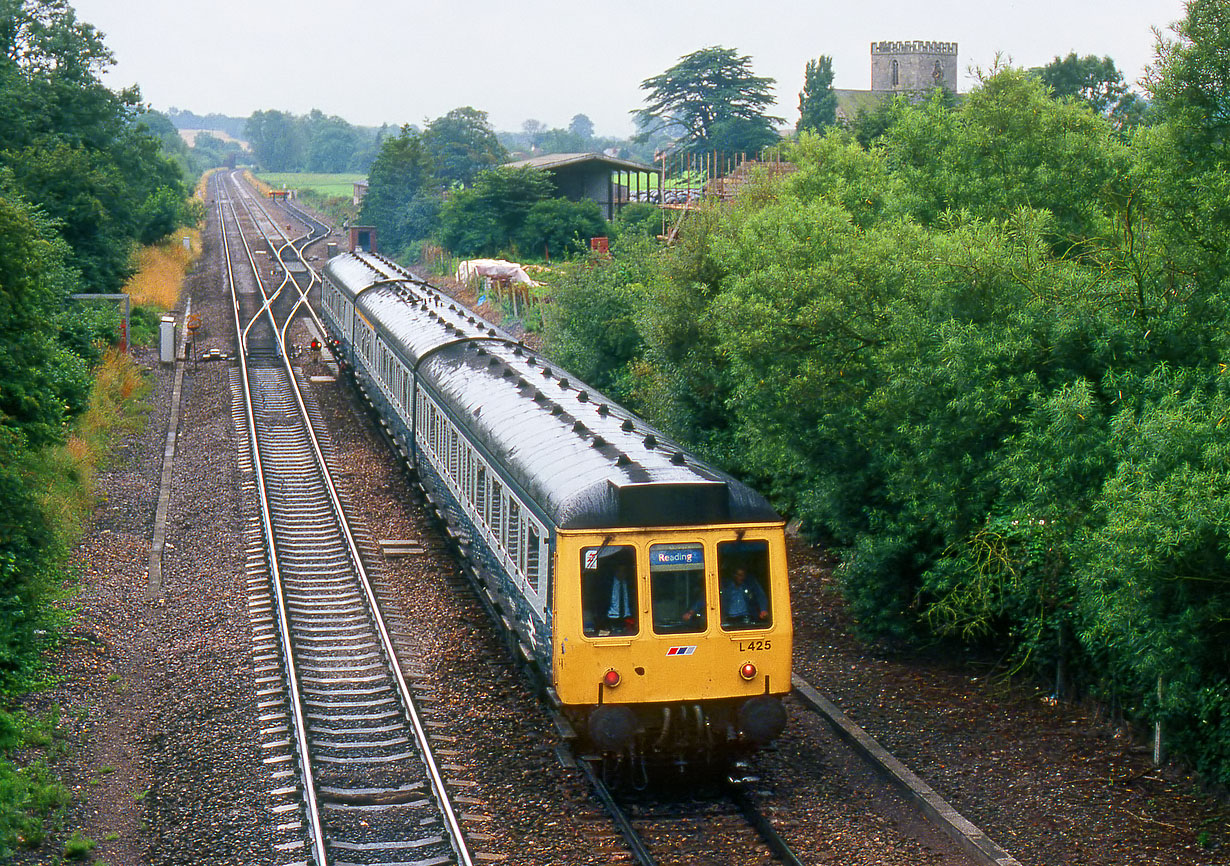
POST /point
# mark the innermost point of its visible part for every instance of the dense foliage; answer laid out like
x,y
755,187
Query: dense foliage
x,y
985,359
82,181
461,144
402,199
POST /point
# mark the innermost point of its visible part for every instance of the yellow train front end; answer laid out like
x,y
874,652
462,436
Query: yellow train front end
x,y
673,640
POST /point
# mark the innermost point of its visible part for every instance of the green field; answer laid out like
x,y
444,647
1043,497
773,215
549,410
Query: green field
x,y
326,184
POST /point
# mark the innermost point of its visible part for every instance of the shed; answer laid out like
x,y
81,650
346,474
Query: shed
x,y
610,181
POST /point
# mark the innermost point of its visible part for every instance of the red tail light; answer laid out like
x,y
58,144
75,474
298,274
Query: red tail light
x,y
611,678
748,671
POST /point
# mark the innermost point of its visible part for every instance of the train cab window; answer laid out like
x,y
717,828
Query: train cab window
x,y
677,587
609,591
743,585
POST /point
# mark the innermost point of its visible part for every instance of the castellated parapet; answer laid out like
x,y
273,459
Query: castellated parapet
x,y
913,66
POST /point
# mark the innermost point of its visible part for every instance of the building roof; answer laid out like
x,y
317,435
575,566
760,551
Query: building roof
x,y
553,161
851,102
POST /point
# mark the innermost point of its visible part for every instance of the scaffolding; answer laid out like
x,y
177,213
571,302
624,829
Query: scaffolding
x,y
687,179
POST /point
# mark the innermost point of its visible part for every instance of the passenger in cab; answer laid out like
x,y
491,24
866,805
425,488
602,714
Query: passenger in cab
x,y
621,612
744,604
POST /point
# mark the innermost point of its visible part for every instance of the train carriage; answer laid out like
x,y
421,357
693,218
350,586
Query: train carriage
x,y
647,587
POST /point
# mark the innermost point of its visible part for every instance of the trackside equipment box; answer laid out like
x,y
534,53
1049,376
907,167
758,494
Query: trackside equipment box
x,y
166,339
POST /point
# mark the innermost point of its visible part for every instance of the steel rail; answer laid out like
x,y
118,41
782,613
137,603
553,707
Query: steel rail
x,y
781,850
440,791
307,239
298,712
632,838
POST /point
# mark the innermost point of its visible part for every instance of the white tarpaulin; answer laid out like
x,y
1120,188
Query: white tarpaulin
x,y
497,269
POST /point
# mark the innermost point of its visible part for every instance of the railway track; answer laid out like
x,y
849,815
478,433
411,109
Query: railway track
x,y
701,824
361,783
724,824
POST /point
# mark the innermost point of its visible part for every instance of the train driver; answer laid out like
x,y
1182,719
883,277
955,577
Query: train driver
x,y
744,604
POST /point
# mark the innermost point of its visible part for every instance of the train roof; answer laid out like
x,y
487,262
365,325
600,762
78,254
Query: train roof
x,y
587,462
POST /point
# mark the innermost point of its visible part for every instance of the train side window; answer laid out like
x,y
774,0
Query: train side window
x,y
497,494
677,587
532,573
609,591
513,544
523,547
743,583
480,488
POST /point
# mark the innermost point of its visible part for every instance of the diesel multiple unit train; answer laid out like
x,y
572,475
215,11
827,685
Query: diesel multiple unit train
x,y
648,588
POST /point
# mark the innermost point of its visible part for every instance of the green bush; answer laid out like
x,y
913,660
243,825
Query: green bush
x,y
558,228
78,847
143,324
487,218
638,219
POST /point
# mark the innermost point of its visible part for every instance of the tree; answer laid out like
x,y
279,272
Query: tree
x,y
742,135
75,148
1097,82
400,174
488,217
41,386
582,127
1188,156
1007,145
277,140
703,91
82,178
461,144
561,141
1188,82
534,130
332,143
817,101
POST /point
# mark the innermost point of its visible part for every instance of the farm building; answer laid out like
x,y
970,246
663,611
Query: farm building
x,y
608,180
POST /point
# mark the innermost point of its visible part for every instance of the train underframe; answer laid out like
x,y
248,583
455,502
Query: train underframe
x,y
644,737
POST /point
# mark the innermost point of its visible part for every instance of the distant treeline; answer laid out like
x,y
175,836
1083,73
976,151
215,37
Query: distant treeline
x,y
232,126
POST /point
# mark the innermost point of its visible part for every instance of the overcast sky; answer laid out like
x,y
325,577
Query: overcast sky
x,y
407,61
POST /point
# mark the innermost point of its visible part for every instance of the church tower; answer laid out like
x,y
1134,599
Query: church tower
x,y
913,67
